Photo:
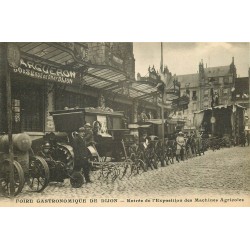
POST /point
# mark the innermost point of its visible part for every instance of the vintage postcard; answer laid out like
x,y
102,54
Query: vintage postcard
x,y
124,124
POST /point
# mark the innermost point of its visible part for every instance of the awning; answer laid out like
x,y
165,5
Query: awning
x,y
72,59
220,107
73,56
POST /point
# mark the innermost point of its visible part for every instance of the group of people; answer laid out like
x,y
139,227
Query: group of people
x,y
81,141
181,143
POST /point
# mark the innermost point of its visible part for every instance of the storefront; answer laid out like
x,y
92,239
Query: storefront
x,y
45,77
28,104
223,120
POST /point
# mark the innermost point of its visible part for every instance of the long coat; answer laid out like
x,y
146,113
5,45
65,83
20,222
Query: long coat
x,y
80,149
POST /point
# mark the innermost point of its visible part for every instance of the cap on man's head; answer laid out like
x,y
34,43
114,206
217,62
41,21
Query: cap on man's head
x,y
180,133
87,125
82,129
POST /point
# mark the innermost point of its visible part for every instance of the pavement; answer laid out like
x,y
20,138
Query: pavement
x,y
224,172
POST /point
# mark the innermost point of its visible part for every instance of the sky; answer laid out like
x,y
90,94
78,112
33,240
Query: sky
x,y
183,58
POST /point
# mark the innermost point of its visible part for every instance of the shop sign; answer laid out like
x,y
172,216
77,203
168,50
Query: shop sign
x,y
45,72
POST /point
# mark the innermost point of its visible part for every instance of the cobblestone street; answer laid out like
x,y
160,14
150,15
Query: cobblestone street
x,y
222,172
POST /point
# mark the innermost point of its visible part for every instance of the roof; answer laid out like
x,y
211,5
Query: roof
x,y
191,79
217,71
219,107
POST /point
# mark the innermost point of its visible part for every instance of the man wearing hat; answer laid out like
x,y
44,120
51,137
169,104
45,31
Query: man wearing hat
x,y
89,135
180,140
81,154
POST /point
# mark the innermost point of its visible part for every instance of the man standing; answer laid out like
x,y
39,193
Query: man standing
x,y
180,140
89,135
81,154
248,138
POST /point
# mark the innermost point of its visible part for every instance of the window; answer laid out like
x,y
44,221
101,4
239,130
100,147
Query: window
x,y
221,80
225,91
206,92
71,100
28,107
194,97
226,80
230,79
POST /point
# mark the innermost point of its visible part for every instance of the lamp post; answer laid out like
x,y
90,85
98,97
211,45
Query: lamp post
x,y
163,128
211,81
9,118
161,91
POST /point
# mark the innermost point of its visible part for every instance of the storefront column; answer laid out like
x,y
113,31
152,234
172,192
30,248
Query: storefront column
x,y
135,112
3,111
49,106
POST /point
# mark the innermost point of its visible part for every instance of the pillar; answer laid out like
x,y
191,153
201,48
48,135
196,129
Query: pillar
x,y
3,111
135,112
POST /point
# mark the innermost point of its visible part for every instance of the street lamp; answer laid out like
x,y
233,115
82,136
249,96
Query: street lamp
x,y
213,120
161,90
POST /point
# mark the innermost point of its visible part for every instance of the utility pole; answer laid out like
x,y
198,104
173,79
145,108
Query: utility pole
x,y
9,118
162,111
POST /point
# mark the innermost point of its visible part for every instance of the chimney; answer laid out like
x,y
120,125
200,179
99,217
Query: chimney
x,y
233,60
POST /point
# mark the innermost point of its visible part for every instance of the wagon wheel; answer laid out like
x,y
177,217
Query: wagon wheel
x,y
152,159
110,172
127,166
38,178
76,180
5,178
138,167
171,156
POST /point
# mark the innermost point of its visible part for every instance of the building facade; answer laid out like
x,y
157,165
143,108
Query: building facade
x,y
209,86
56,76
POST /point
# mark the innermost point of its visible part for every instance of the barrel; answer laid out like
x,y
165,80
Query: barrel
x,y
21,142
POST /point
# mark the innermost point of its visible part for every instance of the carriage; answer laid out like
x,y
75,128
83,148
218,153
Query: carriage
x,y
108,153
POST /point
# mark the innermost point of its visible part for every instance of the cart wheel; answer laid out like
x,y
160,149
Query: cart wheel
x,y
76,180
38,178
5,178
138,167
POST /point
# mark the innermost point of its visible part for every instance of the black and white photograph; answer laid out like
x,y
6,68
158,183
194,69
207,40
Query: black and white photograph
x,y
124,124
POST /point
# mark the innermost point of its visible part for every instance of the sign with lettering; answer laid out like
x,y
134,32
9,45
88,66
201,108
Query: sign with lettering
x,y
45,72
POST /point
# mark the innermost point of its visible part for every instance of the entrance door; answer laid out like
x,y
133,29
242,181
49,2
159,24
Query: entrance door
x,y
28,108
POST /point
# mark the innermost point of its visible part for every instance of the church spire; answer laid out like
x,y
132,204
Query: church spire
x,y
161,67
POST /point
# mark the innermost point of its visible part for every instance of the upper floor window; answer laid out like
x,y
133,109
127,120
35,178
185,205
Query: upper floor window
x,y
230,79
194,96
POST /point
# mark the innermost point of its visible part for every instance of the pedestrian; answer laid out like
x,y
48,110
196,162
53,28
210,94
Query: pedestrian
x,y
248,138
89,136
144,141
81,154
180,140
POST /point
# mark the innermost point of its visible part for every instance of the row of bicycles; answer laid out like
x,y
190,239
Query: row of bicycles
x,y
152,156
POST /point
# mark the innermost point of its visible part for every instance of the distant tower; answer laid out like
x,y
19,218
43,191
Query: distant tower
x,y
161,67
